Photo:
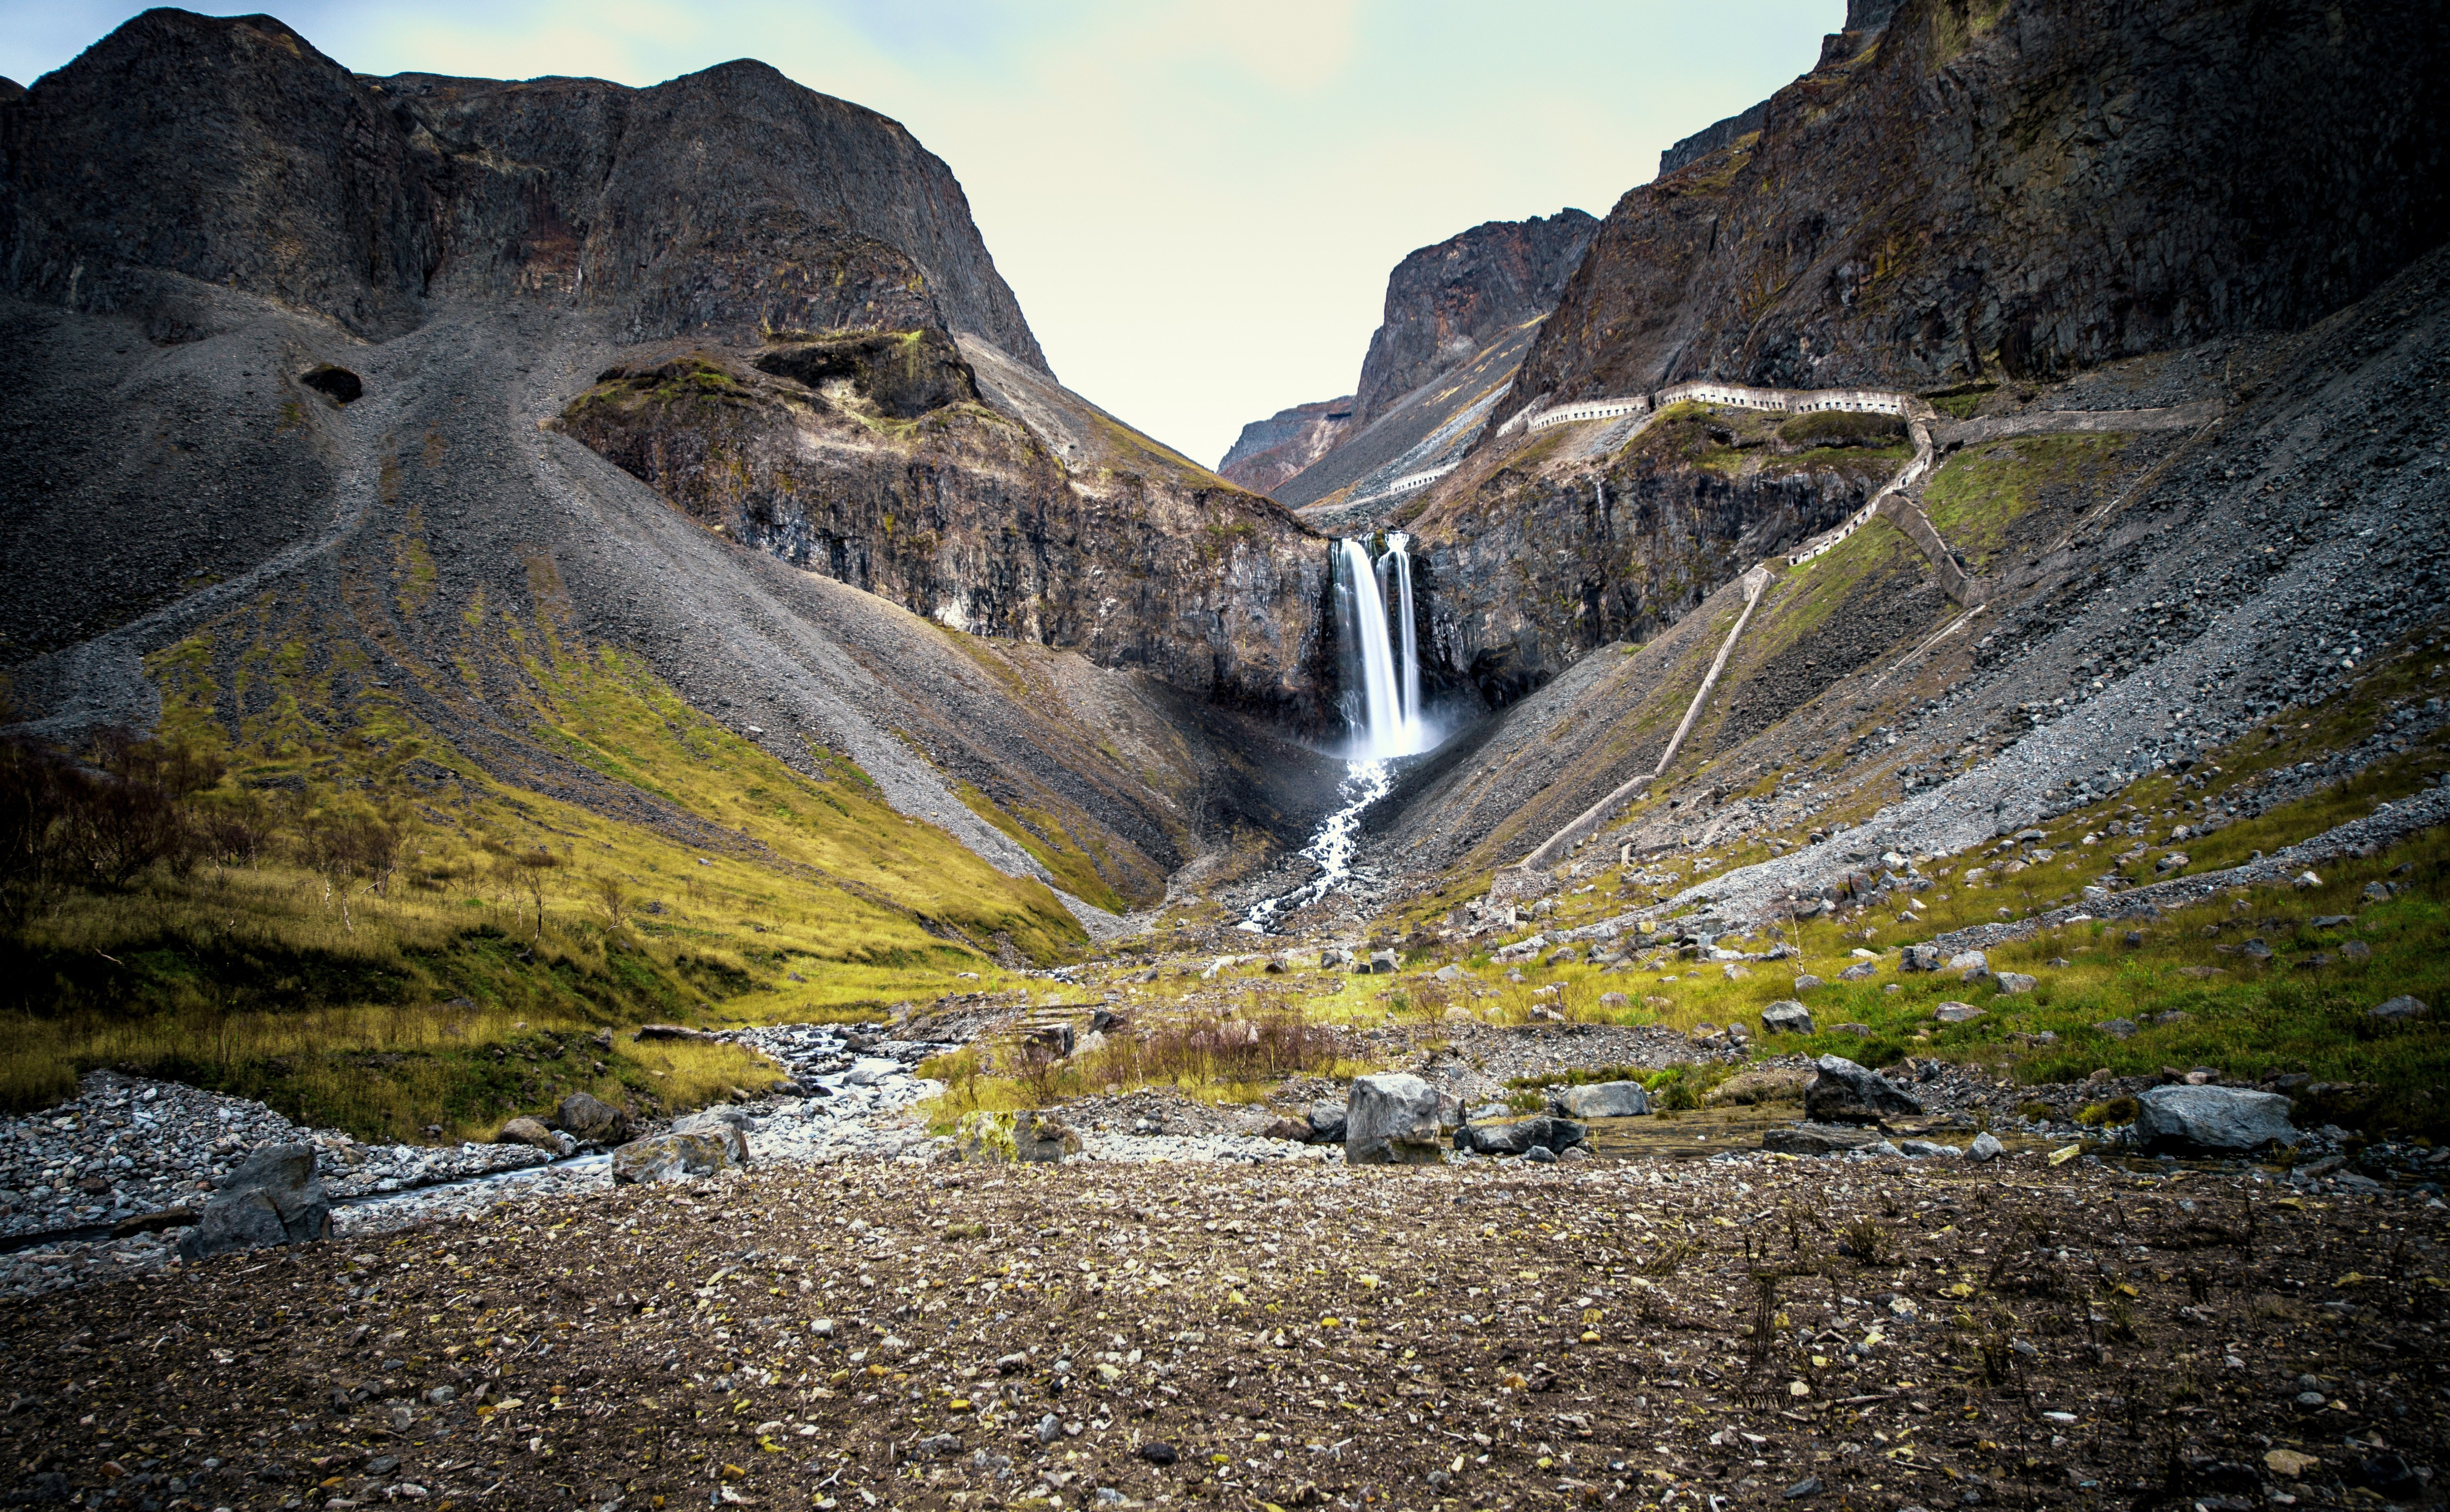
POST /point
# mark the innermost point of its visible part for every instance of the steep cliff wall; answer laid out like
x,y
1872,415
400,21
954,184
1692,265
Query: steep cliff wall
x,y
227,151
959,510
2027,188
1448,302
729,201
1456,321
1272,452
724,201
1543,556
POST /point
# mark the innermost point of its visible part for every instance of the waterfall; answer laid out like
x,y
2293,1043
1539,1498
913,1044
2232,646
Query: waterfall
x,y
1373,697
1399,551
1380,668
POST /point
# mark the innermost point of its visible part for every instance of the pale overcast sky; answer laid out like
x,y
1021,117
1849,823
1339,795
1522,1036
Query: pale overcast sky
x,y
1197,205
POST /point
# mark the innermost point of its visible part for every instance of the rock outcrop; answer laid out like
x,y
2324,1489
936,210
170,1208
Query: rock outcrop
x,y
1846,1092
1604,1099
1518,1136
2023,189
1458,317
673,1157
887,461
1446,301
2223,1119
1391,1120
1272,452
1533,564
724,201
592,1120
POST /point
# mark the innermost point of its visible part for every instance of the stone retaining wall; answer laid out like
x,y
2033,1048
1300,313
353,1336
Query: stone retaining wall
x,y
1588,410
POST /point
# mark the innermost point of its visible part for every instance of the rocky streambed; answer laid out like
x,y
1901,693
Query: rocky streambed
x,y
109,1183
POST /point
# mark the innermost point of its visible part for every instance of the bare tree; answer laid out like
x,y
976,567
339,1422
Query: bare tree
x,y
611,896
533,871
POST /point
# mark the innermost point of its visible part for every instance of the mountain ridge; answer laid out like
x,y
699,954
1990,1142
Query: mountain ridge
x,y
1452,305
2021,190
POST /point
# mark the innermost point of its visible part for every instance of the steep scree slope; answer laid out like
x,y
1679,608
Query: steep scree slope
x,y
2147,596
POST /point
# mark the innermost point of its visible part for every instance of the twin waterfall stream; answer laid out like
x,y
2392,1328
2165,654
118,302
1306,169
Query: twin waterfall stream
x,y
1378,668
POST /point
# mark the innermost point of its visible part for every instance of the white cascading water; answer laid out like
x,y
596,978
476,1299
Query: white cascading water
x,y
1373,701
1399,551
1381,702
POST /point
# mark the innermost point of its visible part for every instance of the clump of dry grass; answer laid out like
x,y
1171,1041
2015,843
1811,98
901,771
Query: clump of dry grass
x,y
1213,1060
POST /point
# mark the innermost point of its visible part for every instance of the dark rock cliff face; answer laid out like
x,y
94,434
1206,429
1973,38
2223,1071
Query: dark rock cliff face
x,y
229,151
727,202
2026,189
1463,303
1711,138
1541,562
958,512
1272,452
1448,302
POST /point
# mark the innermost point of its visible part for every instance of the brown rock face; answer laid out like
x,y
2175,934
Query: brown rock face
x,y
962,513
1272,452
1448,302
2025,188
1541,562
1456,312
727,202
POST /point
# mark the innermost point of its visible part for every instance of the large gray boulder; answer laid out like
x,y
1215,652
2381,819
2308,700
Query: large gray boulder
x,y
675,1156
1787,1017
529,1132
721,1124
1606,1099
591,1120
1520,1136
271,1198
2212,1118
1846,1092
1391,1120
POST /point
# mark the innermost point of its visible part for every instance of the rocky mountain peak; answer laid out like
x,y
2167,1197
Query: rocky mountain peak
x,y
228,150
1273,452
722,202
2023,190
1446,301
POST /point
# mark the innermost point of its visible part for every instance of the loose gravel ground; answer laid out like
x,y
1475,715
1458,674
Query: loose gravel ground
x,y
1735,1333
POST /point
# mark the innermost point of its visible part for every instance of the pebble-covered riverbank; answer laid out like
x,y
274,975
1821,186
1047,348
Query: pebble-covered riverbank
x,y
1751,1331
